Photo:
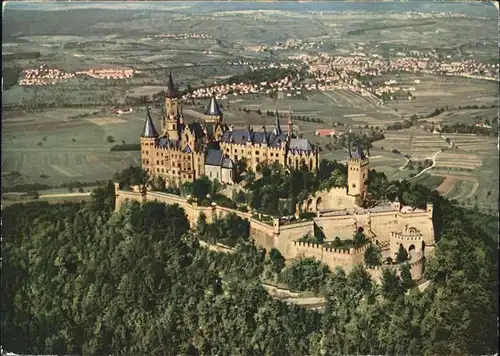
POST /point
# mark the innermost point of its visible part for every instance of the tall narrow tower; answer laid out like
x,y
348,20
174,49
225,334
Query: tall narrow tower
x,y
357,172
277,127
290,124
148,139
172,111
213,114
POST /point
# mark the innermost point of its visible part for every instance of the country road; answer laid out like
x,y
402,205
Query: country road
x,y
433,158
65,195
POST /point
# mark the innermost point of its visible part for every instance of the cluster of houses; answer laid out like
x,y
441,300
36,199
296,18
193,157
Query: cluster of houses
x,y
184,36
337,72
43,75
108,73
289,44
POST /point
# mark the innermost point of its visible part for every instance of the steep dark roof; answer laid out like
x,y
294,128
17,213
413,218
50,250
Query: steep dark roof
x,y
149,128
194,127
227,163
358,152
241,137
214,157
300,144
171,90
213,108
187,149
165,142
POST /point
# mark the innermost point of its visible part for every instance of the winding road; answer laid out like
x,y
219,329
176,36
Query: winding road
x,y
433,158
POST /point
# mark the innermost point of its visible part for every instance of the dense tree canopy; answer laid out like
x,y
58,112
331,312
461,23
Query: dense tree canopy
x,y
80,279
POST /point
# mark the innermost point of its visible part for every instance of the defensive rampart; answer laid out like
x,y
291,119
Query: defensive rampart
x,y
332,257
416,264
284,236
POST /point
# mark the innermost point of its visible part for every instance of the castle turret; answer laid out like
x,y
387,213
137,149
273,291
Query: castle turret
x,y
396,205
277,127
290,124
213,114
148,139
172,111
357,172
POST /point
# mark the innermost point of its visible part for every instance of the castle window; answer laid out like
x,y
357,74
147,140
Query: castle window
x,y
354,185
217,174
163,170
236,157
257,153
162,162
158,170
157,162
147,162
146,152
271,154
210,174
257,159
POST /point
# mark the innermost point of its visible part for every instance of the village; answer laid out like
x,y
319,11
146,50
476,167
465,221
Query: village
x,y
45,75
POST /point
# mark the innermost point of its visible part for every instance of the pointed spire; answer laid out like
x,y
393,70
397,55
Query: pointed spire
x,y
358,153
249,129
277,128
149,127
266,136
213,107
171,91
349,145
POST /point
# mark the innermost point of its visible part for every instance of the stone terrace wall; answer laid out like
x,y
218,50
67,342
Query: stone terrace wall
x,y
330,256
416,269
339,225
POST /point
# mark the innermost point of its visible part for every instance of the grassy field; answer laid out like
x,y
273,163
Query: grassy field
x,y
65,150
467,172
440,91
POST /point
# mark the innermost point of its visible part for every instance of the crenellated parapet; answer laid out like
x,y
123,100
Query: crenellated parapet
x,y
399,236
331,250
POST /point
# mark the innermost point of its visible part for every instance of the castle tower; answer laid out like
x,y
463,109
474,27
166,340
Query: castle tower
x,y
396,205
290,124
277,127
213,114
148,139
172,111
357,172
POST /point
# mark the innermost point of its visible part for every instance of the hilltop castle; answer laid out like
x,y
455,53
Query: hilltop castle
x,y
184,152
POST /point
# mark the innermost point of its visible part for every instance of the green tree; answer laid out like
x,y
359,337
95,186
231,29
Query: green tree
x,y
406,279
373,256
402,254
391,284
277,260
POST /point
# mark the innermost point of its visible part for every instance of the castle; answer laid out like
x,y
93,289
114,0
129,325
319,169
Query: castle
x,y
184,152
181,154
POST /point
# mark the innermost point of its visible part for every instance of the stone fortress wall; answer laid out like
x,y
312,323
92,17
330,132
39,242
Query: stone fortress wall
x,y
390,228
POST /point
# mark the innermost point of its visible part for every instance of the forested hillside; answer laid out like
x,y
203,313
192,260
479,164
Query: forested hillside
x,y
80,279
